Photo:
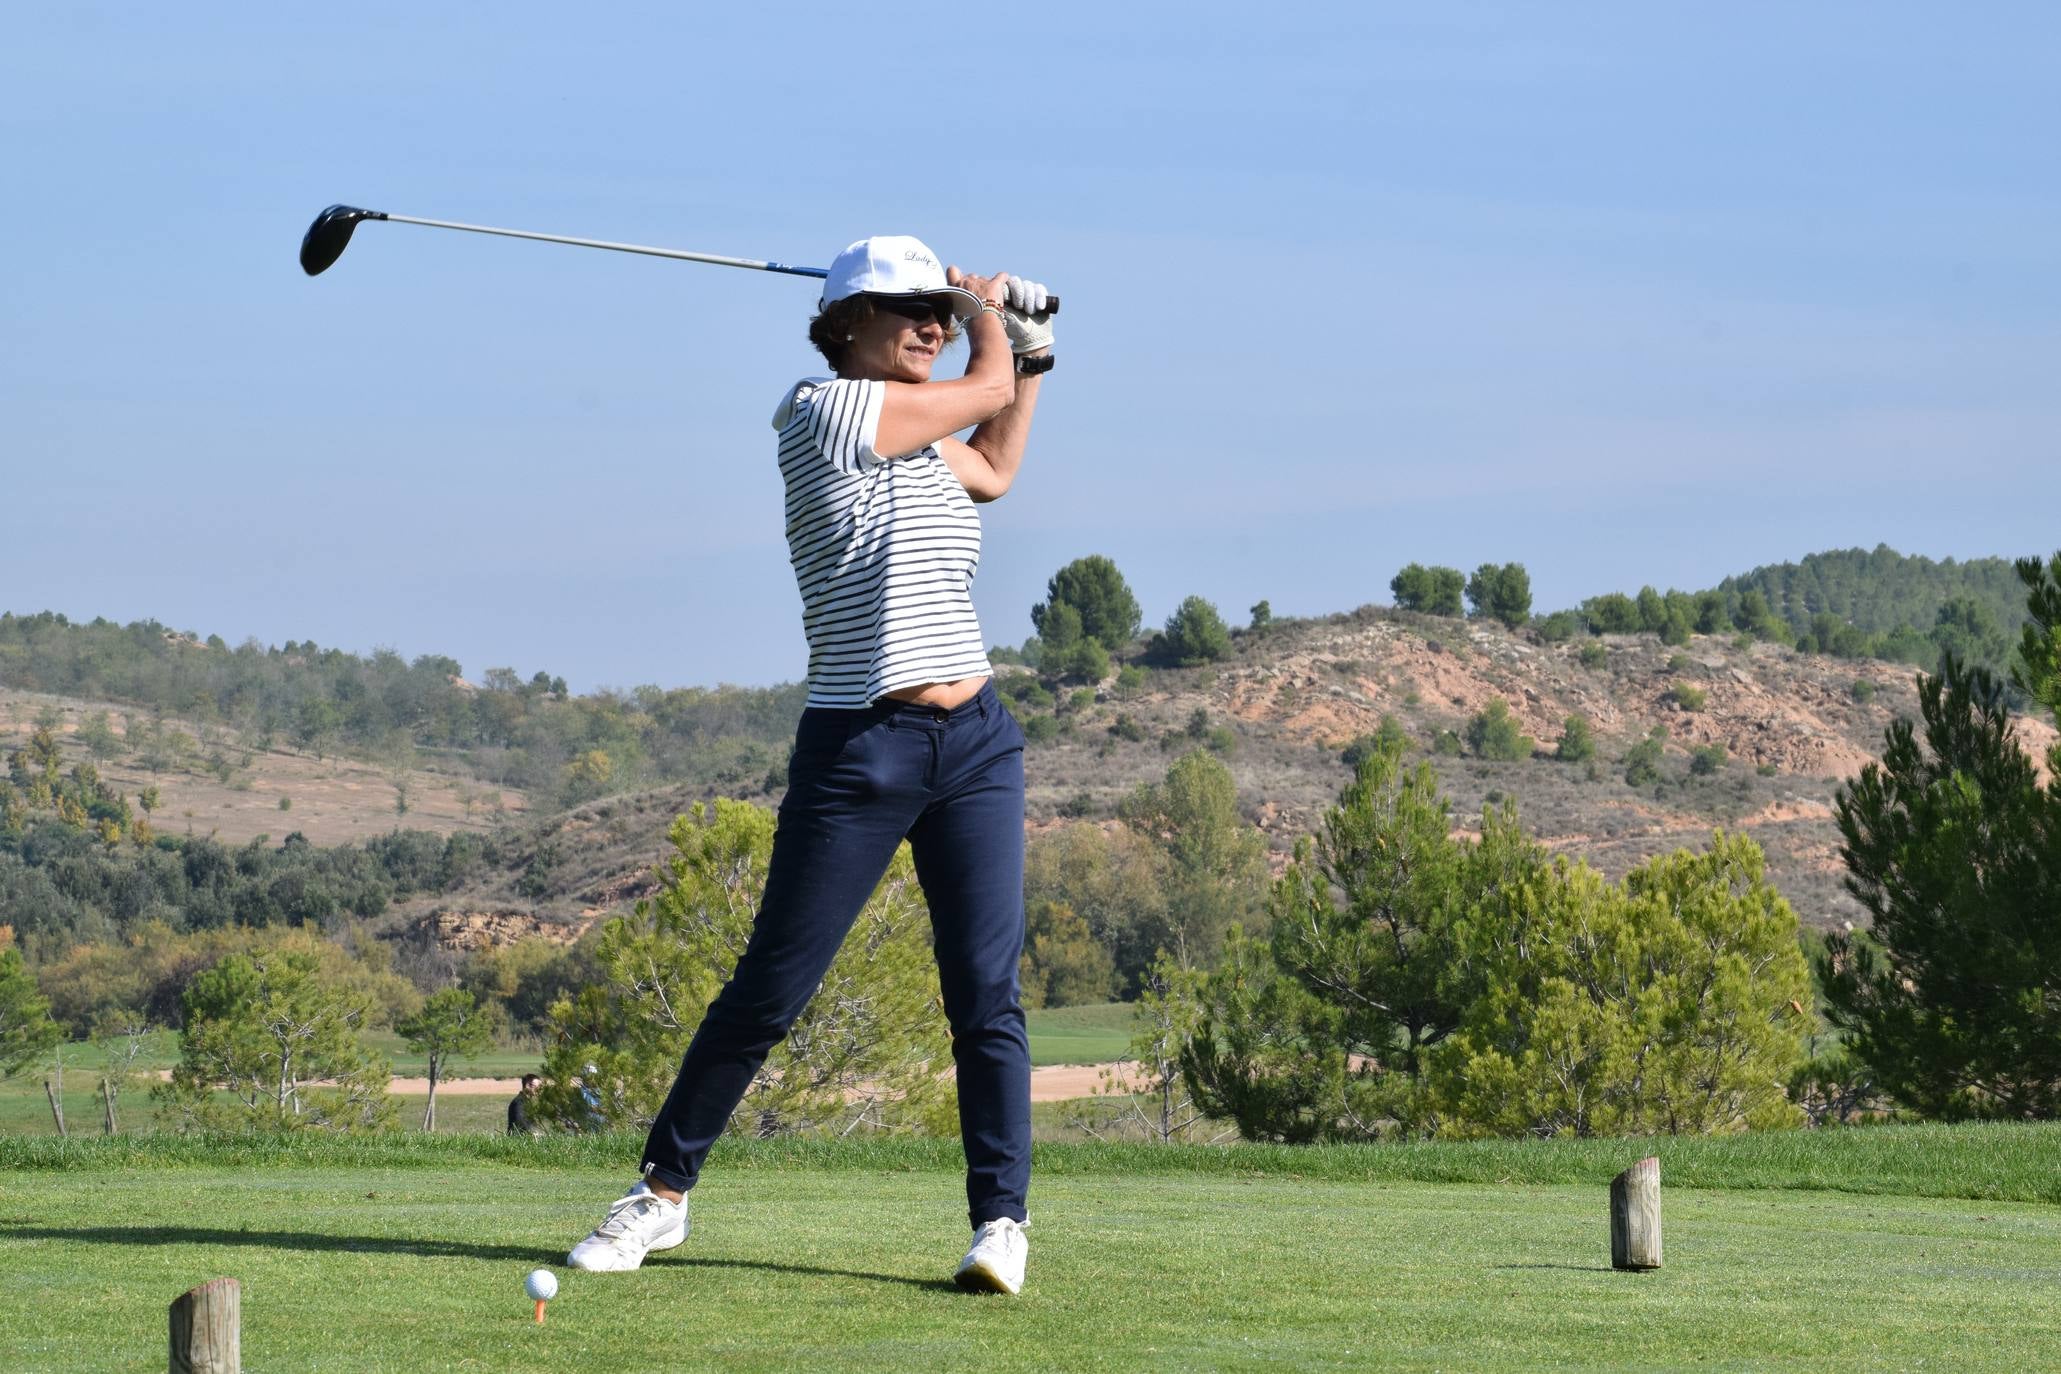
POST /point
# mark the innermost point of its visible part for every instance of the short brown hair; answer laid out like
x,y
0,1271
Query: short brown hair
x,y
832,330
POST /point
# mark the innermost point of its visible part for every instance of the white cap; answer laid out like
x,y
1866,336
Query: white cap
x,y
894,265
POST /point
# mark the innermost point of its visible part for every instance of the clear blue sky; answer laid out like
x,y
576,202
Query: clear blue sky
x,y
1629,293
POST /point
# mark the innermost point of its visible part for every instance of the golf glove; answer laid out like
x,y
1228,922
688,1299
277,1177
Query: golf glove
x,y
1025,317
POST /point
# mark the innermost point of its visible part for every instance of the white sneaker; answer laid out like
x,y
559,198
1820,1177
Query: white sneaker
x,y
637,1223
670,1238
995,1263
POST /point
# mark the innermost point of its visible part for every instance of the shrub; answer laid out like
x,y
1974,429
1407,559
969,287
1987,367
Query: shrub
x,y
1756,618
1429,591
1613,613
1592,655
1686,696
1195,634
1221,740
1388,737
1084,660
1863,690
1706,759
1577,743
1021,689
1661,1004
1950,844
97,734
1500,992
1447,744
1493,733
1039,729
1642,760
1102,603
27,1031
272,1041
1558,627
1501,592
1126,726
1063,964
1213,864
539,875
860,1055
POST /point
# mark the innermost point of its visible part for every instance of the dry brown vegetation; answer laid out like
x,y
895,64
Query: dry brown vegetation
x,y
331,800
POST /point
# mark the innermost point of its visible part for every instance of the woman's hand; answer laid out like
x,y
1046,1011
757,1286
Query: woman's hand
x,y
994,290
1026,318
1027,297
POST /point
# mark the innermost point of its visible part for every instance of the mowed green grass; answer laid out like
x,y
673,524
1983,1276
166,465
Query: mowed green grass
x,y
502,1061
1094,1034
408,1254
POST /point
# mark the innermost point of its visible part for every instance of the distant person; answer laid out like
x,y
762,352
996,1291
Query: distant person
x,y
519,1122
903,737
591,1116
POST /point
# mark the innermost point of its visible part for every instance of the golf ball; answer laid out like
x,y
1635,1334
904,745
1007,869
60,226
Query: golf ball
x,y
542,1285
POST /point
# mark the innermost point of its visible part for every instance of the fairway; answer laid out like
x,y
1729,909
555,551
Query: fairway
x,y
1094,1034
824,1256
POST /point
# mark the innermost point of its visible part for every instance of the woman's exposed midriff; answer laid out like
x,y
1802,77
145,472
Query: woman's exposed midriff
x,y
944,695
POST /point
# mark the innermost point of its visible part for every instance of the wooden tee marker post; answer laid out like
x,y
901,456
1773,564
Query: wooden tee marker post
x,y
206,1335
1635,1217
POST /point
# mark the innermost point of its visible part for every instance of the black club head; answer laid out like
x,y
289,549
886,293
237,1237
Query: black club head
x,y
329,235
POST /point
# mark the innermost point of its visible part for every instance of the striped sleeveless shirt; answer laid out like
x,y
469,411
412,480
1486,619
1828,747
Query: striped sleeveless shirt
x,y
884,550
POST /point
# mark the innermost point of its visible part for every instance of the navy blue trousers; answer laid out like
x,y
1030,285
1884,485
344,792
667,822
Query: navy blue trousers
x,y
951,782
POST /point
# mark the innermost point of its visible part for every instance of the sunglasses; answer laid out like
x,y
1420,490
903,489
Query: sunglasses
x,y
921,309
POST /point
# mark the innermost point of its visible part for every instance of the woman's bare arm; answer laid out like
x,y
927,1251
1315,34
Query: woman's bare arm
x,y
915,414
986,462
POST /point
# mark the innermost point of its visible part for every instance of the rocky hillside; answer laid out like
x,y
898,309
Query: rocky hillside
x,y
1283,708
1792,727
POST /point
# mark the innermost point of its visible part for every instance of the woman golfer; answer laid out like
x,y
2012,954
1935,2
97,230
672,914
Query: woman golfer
x,y
903,736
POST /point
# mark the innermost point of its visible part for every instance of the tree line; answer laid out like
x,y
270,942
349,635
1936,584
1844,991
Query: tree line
x,y
1849,604
1090,623
526,733
86,867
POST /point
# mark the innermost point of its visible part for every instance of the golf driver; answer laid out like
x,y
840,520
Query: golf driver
x,y
330,234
